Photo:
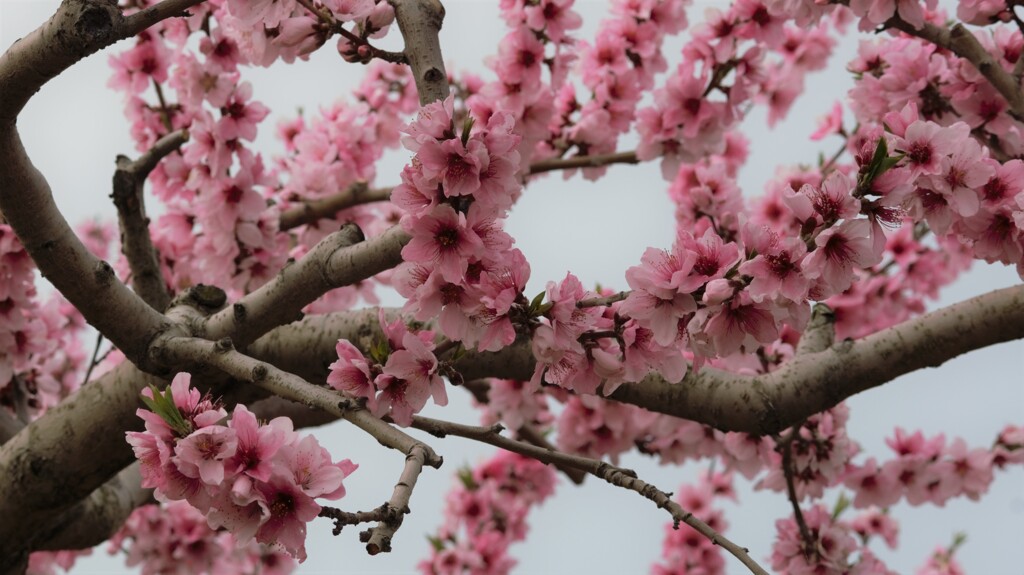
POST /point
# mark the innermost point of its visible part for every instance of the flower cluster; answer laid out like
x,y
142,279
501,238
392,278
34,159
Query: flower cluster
x,y
925,470
486,513
268,30
401,373
41,355
459,265
686,123
175,539
833,546
255,480
622,62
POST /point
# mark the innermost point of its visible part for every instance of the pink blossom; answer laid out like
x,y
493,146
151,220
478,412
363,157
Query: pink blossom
x,y
257,444
289,510
925,143
839,250
203,453
351,373
458,167
872,485
442,238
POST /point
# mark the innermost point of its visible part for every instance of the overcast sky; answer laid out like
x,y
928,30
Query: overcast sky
x,y
74,128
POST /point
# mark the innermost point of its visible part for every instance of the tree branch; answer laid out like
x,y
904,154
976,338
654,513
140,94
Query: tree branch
x,y
77,29
481,390
785,446
343,518
96,518
583,162
136,242
618,476
53,463
298,284
420,22
378,539
313,210
764,404
222,356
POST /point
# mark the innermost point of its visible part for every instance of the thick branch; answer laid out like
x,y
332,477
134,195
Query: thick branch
x,y
53,462
811,383
618,476
136,242
764,404
420,22
79,28
281,300
311,211
96,518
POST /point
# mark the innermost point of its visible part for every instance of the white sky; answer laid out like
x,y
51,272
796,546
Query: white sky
x,y
74,128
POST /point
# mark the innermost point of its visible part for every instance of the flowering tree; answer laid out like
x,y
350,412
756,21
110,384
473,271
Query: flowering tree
x,y
239,314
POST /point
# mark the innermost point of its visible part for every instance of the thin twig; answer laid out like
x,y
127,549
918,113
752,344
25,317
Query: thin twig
x,y
618,476
165,113
343,518
583,162
94,360
785,445
602,301
335,26
480,390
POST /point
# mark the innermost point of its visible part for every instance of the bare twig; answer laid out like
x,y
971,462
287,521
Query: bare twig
x,y
378,539
785,446
602,301
480,390
618,476
136,242
313,210
583,162
94,359
343,518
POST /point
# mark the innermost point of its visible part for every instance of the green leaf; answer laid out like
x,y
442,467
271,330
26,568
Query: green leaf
x,y
467,127
162,404
466,477
379,350
436,543
841,505
537,300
